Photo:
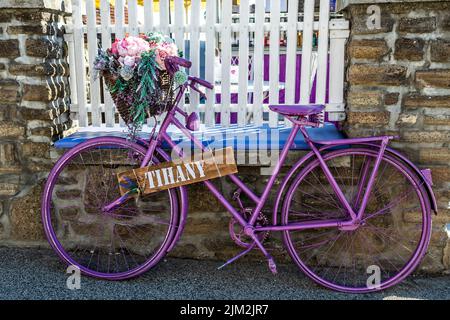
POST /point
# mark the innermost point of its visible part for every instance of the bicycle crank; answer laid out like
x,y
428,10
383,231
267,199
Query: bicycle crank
x,y
237,232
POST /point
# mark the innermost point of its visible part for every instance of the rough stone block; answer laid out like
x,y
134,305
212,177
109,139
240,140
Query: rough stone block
x,y
36,149
409,49
364,99
426,136
439,78
417,25
41,131
368,49
25,216
11,130
36,70
9,189
435,155
33,29
33,15
9,162
43,48
5,16
434,120
34,114
384,75
44,92
39,165
8,154
359,22
391,98
9,91
368,118
445,23
37,93
9,48
440,174
200,199
414,100
407,119
440,50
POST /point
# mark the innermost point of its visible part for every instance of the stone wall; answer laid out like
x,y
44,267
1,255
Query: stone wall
x,y
398,82
34,109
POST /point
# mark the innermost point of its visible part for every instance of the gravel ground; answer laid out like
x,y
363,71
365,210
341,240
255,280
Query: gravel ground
x,y
38,274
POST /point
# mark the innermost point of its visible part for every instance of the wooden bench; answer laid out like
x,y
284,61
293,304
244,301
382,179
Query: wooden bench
x,y
248,137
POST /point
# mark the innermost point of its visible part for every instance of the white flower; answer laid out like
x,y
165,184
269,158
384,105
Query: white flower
x,y
126,73
129,61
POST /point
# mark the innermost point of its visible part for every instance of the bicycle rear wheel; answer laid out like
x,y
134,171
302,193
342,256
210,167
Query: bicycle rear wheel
x,y
379,253
114,245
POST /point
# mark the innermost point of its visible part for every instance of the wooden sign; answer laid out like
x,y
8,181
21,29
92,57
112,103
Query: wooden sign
x,y
178,173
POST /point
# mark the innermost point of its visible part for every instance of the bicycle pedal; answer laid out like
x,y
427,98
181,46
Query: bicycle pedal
x,y
272,266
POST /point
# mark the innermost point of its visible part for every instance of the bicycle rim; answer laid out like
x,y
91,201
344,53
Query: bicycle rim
x,y
378,254
121,244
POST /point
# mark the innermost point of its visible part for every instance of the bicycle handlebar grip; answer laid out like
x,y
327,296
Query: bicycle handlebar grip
x,y
202,82
180,61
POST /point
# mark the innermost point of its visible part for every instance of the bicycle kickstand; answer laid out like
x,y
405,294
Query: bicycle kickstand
x,y
270,260
237,256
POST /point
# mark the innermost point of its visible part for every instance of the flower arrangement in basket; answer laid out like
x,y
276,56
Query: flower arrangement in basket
x,y
138,76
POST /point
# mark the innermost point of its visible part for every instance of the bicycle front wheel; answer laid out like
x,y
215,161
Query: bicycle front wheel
x,y
115,245
388,244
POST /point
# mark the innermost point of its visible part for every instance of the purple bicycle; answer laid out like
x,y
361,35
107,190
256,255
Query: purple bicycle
x,y
355,215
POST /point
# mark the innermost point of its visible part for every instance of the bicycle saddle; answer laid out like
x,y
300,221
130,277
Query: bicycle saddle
x,y
297,109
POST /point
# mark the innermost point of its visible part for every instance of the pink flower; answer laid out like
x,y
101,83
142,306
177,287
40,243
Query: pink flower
x,y
160,57
136,46
170,48
130,46
122,48
129,50
114,47
164,50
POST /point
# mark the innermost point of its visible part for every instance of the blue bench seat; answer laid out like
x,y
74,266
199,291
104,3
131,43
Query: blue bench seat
x,y
248,137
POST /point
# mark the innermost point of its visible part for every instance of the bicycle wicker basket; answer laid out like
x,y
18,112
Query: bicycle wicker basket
x,y
159,102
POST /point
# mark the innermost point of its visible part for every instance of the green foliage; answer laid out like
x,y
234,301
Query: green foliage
x,y
138,113
156,37
119,86
148,71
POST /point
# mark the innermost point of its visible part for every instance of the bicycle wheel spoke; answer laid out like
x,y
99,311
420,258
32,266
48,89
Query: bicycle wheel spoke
x,y
381,254
337,204
380,212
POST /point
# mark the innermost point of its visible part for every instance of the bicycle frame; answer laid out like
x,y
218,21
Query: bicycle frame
x,y
385,185
260,201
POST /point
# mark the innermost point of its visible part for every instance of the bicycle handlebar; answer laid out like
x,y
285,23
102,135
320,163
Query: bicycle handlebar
x,y
172,63
201,82
179,61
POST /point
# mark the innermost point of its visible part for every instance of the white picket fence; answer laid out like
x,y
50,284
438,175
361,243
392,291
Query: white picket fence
x,y
216,26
